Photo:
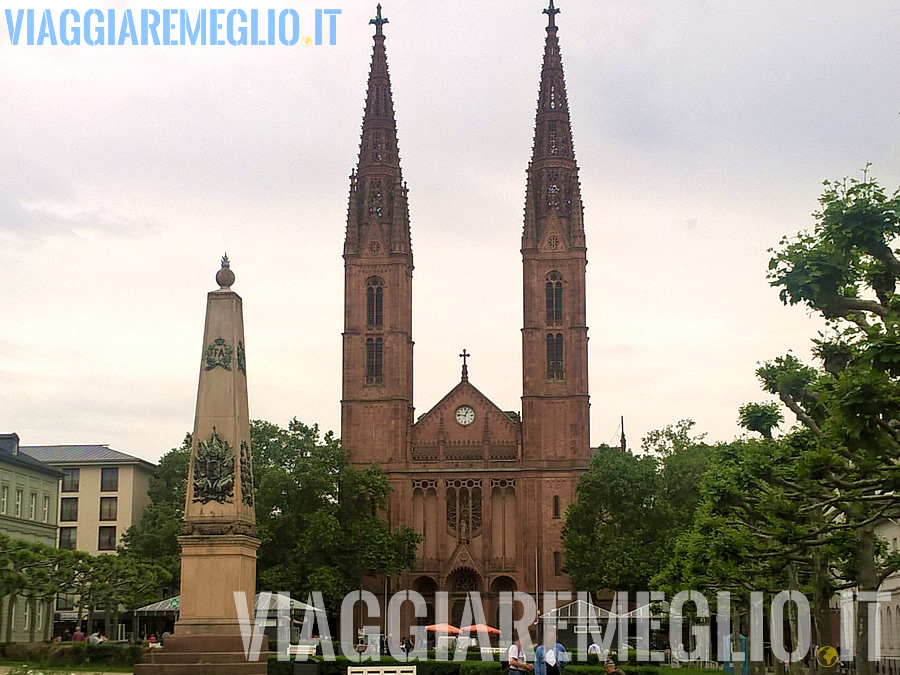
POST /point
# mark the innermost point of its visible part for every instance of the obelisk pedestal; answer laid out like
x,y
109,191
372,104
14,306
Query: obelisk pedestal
x,y
218,546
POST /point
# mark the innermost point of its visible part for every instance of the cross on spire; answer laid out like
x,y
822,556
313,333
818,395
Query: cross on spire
x,y
551,12
465,367
378,21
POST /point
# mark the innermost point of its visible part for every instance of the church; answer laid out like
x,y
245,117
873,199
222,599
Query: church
x,y
487,488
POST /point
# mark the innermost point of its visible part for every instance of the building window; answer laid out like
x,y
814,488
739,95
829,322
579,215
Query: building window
x,y
109,479
554,356
4,499
554,297
26,615
45,511
40,614
65,602
557,563
67,537
70,480
107,538
108,508
68,509
556,506
375,303
32,507
374,361
19,496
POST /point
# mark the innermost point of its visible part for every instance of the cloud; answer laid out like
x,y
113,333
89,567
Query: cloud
x,y
37,201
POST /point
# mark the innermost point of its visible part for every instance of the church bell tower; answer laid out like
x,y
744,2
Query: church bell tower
x,y
555,402
377,395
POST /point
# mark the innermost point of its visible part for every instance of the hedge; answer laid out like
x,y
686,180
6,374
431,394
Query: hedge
x,y
472,667
72,653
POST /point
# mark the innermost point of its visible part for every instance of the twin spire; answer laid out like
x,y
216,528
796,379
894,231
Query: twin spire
x,y
378,208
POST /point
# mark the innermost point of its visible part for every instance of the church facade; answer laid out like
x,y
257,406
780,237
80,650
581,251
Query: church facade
x,y
486,487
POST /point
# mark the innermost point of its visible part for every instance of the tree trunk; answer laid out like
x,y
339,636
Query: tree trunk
x,y
793,585
48,610
822,593
867,581
90,621
79,610
32,613
10,608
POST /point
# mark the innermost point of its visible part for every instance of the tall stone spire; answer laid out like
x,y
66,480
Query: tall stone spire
x,y
219,544
553,190
378,268
554,259
378,195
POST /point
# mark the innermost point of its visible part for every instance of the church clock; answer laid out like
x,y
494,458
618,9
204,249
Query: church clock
x,y
465,415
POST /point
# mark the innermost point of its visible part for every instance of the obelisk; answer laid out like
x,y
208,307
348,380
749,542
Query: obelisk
x,y
218,544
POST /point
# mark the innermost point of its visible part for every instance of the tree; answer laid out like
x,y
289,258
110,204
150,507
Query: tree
x,y
629,509
155,536
318,516
762,418
846,270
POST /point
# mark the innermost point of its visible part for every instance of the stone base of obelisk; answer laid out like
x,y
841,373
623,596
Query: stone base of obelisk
x,y
207,639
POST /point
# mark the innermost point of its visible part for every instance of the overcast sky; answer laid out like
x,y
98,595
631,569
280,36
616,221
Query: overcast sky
x,y
703,131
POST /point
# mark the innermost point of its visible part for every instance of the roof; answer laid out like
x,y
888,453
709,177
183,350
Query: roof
x,y
275,602
25,461
80,454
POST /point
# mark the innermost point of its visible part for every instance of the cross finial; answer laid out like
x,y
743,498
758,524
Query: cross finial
x,y
465,368
379,21
551,12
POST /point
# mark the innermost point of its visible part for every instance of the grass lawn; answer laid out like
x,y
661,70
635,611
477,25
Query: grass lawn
x,y
24,668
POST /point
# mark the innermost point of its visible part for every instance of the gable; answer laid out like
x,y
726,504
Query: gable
x,y
465,425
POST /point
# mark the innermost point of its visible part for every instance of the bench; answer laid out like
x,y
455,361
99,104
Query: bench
x,y
381,670
304,651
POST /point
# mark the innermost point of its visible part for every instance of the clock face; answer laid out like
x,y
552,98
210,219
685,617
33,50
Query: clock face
x,y
465,415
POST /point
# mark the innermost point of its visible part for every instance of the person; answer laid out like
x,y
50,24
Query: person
x,y
551,656
163,637
515,656
611,668
57,638
94,639
101,638
78,635
152,638
594,649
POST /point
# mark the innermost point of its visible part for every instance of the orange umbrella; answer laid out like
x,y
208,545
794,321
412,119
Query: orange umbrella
x,y
443,628
480,628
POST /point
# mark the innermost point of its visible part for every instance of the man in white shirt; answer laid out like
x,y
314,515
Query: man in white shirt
x,y
515,656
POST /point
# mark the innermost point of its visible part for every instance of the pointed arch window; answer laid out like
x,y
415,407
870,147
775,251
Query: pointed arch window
x,y
375,303
555,356
374,361
554,298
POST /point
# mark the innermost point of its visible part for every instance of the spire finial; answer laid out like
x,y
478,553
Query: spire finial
x,y
225,277
465,368
379,21
551,13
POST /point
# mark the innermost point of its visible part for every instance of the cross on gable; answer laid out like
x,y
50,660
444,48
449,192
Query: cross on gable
x,y
465,368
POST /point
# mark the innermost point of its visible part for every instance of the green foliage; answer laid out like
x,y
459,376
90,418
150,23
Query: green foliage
x,y
763,418
622,525
317,516
66,654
